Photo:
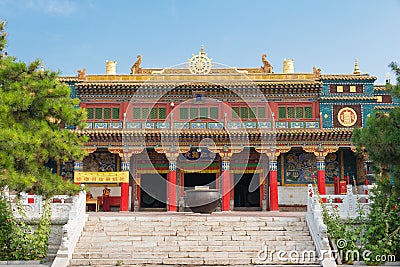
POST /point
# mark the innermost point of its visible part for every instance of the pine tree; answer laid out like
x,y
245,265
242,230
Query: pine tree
x,y
34,107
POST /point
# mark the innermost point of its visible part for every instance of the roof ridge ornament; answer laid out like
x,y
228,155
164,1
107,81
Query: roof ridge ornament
x,y
356,69
200,63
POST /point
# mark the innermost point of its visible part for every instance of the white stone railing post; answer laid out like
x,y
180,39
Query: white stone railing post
x,y
318,230
72,230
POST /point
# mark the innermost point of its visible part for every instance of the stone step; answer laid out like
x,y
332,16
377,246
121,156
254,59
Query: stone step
x,y
188,240
183,261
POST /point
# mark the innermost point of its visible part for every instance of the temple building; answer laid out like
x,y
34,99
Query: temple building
x,y
257,135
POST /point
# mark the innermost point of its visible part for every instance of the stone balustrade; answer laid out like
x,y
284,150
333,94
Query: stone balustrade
x,y
347,206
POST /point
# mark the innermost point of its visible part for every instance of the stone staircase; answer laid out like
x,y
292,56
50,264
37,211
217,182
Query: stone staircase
x,y
125,239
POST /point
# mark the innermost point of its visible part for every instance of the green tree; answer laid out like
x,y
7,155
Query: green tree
x,y
34,108
381,140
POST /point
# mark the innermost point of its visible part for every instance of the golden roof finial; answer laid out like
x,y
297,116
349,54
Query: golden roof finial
x,y
356,69
202,50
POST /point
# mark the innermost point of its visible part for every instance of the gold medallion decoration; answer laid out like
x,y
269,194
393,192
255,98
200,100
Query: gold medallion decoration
x,y
347,117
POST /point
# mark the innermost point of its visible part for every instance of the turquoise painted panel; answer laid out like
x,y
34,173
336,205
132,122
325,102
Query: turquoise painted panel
x,y
148,125
100,125
234,125
115,125
265,125
281,124
198,125
215,125
249,125
181,125
163,125
133,125
312,124
297,125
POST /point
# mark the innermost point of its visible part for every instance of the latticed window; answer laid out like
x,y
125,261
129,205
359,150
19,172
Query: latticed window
x,y
244,112
204,113
214,113
107,113
183,113
308,112
252,112
194,113
115,113
295,112
282,112
235,113
136,113
162,113
99,114
145,113
90,113
299,112
290,112
261,113
153,114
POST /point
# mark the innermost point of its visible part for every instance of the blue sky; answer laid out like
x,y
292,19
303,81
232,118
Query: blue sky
x,y
69,35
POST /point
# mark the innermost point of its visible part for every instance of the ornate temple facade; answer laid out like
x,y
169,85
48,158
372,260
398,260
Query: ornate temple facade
x,y
256,135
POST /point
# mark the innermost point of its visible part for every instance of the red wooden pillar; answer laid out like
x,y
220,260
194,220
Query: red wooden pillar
x,y
171,187
124,197
273,185
226,184
321,175
125,167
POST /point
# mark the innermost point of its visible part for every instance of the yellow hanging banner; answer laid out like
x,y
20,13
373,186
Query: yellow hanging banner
x,y
101,177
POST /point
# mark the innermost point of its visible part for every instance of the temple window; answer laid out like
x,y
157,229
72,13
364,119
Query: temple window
x,y
248,112
198,113
147,113
295,112
103,113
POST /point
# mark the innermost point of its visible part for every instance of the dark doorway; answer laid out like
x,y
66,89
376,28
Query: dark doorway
x,y
243,196
199,179
153,193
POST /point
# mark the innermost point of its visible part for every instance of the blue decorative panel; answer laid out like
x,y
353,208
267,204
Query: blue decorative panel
x,y
88,125
331,167
265,125
133,125
300,167
198,125
326,111
312,124
100,125
163,125
281,124
234,125
148,125
215,125
249,125
297,124
115,125
181,125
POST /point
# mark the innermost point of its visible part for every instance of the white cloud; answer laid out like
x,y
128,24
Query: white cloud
x,y
54,7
